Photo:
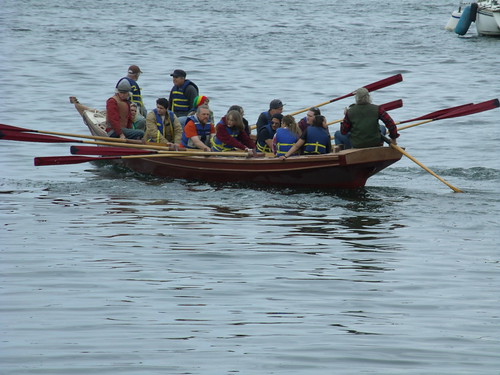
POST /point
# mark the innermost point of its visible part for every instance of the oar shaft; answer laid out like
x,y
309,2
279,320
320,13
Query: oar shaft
x,y
109,139
415,124
370,87
402,151
59,160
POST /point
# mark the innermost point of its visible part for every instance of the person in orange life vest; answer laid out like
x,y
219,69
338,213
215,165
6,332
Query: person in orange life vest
x,y
162,125
118,115
286,136
230,134
315,140
198,130
309,118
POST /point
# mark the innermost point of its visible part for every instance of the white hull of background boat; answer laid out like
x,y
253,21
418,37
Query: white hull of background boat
x,y
488,22
487,18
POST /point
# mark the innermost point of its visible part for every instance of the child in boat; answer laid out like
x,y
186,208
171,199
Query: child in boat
x,y
286,136
230,134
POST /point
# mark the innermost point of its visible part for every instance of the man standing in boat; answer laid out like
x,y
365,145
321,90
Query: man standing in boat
x,y
118,115
182,94
198,130
132,76
360,127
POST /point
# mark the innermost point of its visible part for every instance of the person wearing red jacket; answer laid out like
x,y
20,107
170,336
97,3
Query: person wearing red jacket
x,y
230,134
118,115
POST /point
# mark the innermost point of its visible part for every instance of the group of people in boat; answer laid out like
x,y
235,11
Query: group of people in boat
x,y
185,120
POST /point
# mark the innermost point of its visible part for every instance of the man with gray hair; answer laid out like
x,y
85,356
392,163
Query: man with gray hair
x,y
360,127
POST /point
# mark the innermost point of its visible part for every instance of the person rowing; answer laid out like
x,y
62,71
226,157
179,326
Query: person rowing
x,y
230,134
198,130
360,127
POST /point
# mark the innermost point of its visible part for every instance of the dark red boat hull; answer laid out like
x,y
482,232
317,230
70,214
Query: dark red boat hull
x,y
347,169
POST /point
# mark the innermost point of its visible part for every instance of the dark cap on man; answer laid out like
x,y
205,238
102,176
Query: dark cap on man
x,y
178,73
275,104
134,69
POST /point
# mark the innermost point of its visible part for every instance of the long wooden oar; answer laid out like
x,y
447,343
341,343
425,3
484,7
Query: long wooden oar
x,y
371,87
30,137
107,139
466,110
389,106
110,151
396,147
121,151
57,160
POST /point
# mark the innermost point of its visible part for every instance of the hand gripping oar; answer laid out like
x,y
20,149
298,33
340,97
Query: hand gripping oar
x,y
107,139
371,87
396,147
466,110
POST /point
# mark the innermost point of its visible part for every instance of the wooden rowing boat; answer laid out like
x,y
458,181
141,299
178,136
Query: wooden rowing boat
x,y
347,169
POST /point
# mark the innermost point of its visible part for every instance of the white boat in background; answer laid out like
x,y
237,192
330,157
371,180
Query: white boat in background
x,y
484,13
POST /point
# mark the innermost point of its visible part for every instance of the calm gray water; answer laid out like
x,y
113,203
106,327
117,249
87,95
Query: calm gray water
x,y
104,271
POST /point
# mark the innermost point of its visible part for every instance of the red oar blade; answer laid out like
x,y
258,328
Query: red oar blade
x,y
384,82
438,113
469,110
14,128
392,105
375,85
108,151
28,137
58,160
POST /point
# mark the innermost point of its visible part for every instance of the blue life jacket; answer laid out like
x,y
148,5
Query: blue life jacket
x,y
317,140
161,126
267,116
261,143
285,139
218,145
203,133
179,102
